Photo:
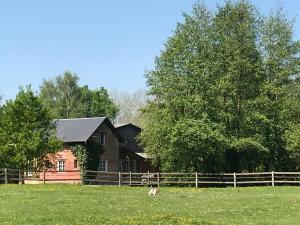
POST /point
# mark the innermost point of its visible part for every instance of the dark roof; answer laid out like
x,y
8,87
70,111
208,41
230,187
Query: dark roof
x,y
77,130
126,124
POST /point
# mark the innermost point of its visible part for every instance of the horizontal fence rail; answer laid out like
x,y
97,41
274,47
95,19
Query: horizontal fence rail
x,y
89,177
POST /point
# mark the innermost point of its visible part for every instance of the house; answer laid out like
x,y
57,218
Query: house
x,y
132,156
114,148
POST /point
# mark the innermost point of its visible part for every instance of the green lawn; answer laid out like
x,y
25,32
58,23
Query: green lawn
x,y
69,204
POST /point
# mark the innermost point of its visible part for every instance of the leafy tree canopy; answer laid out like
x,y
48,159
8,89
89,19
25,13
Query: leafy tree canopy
x,y
66,99
27,136
225,90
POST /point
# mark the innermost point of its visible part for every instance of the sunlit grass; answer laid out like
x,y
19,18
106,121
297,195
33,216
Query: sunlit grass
x,y
69,204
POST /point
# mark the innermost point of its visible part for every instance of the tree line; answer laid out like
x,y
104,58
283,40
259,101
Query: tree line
x,y
225,93
27,133
223,97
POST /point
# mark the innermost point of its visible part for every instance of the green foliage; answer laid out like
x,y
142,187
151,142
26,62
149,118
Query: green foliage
x,y
196,145
66,99
292,137
81,155
249,153
27,136
61,95
87,155
226,85
102,105
280,87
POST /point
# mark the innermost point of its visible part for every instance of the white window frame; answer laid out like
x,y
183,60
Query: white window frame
x,y
102,168
30,173
102,138
61,164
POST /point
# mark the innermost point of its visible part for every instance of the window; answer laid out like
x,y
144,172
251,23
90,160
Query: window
x,y
127,164
121,166
133,166
103,165
29,173
75,163
96,138
102,138
61,165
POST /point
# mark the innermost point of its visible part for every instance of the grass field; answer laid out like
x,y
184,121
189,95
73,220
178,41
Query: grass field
x,y
67,204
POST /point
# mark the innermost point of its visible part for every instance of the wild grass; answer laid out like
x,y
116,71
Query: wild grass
x,y
84,205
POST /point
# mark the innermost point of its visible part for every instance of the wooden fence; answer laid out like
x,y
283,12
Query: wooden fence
x,y
155,179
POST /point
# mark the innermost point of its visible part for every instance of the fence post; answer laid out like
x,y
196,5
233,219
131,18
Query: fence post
x,y
234,179
44,176
158,179
20,177
120,178
5,176
196,179
273,179
130,178
148,179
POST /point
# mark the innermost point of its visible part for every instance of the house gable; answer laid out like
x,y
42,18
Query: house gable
x,y
109,150
128,134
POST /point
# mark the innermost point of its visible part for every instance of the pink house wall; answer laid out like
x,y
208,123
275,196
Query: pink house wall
x,y
70,173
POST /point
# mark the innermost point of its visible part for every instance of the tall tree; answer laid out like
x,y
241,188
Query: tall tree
x,y
66,99
280,96
213,92
179,133
238,74
61,95
26,132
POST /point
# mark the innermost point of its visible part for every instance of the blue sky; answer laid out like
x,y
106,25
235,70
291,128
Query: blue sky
x,y
107,43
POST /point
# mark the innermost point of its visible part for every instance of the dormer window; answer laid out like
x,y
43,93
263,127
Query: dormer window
x,y
102,138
